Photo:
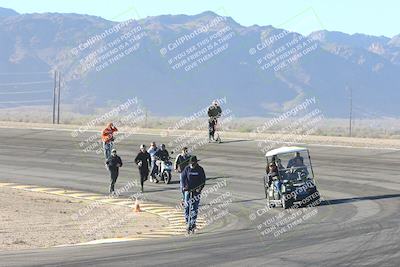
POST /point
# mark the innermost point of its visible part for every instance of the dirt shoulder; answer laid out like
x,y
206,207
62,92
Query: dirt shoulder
x,y
265,138
37,220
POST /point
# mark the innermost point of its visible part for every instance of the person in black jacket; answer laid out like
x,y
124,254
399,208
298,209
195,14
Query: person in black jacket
x,y
194,180
161,155
114,162
143,161
181,161
214,112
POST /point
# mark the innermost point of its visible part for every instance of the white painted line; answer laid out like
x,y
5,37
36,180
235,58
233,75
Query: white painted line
x,y
227,138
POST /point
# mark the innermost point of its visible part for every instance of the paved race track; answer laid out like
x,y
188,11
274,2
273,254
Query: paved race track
x,y
356,225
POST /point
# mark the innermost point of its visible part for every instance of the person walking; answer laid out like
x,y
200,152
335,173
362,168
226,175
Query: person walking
x,y
153,169
214,112
143,161
194,180
114,162
181,161
107,137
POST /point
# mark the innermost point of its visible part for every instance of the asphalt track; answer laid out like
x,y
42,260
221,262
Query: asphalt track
x,y
356,225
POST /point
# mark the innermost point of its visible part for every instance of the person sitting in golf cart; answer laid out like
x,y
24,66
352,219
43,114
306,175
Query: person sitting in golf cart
x,y
297,168
297,160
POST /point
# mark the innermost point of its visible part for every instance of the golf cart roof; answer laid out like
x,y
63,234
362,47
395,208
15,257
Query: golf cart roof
x,y
285,150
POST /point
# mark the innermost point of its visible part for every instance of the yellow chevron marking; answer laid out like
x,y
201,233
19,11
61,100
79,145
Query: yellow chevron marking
x,y
58,192
6,184
42,189
109,200
83,195
22,186
124,203
154,235
95,197
70,192
176,222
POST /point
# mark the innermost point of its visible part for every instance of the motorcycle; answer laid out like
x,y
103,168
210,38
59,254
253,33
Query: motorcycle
x,y
165,171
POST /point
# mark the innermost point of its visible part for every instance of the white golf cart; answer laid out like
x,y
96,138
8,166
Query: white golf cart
x,y
289,181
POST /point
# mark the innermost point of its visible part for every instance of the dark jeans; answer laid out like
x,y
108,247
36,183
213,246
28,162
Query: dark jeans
x,y
192,202
107,149
114,176
144,173
154,168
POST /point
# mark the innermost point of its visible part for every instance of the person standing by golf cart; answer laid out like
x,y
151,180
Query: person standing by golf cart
x,y
181,161
273,177
194,180
143,161
107,137
214,112
114,162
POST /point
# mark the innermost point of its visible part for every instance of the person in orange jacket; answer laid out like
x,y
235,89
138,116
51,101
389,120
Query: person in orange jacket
x,y
107,137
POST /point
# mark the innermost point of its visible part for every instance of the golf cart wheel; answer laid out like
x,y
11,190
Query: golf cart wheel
x,y
316,199
166,177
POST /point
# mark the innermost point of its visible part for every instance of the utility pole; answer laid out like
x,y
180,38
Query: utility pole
x,y
145,118
59,96
54,97
351,110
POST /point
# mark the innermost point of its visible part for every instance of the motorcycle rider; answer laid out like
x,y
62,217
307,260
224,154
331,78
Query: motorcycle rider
x,y
152,151
107,137
143,161
114,162
214,112
194,180
181,161
161,155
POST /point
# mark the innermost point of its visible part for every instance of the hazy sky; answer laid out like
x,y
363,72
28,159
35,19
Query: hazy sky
x,y
351,16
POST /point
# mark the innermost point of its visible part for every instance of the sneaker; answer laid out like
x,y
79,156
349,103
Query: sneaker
x,y
142,189
156,181
151,179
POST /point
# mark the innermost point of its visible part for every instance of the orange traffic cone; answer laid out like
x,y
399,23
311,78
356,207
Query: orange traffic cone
x,y
137,206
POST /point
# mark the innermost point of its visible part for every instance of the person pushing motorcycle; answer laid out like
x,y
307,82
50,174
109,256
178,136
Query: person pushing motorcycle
x,y
214,112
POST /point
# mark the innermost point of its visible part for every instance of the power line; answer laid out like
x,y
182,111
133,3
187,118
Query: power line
x,y
27,101
24,73
25,92
26,83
